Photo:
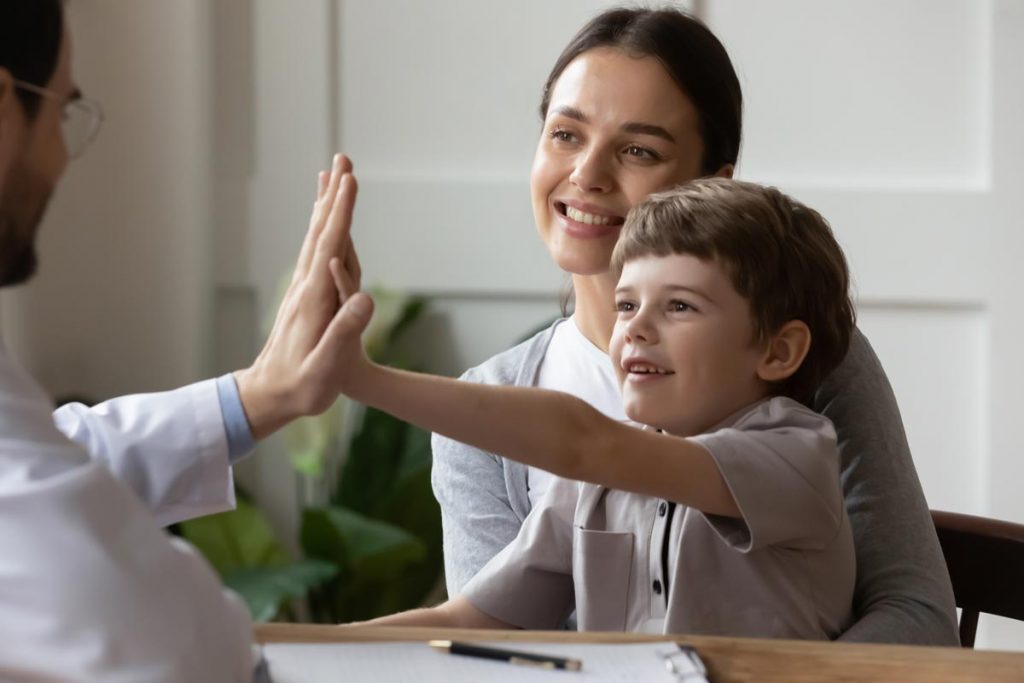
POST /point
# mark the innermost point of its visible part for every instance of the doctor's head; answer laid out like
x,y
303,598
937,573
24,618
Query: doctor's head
x,y
43,123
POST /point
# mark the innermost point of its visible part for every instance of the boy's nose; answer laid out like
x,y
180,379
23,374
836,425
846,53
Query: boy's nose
x,y
640,331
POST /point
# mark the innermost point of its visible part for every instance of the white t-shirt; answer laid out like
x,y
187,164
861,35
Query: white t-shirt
x,y
574,365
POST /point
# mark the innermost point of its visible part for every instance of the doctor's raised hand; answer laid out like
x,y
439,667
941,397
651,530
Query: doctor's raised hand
x,y
293,374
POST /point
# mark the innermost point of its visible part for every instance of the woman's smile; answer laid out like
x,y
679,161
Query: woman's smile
x,y
583,220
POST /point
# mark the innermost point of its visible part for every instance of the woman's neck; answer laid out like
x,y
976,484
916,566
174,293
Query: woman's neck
x,y
595,307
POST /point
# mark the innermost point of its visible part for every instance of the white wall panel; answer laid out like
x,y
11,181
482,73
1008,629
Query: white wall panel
x,y
449,88
937,361
930,246
863,94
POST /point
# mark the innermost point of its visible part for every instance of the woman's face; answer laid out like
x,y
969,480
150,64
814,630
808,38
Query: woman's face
x,y
617,129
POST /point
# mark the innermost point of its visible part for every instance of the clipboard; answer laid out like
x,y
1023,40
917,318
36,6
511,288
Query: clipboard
x,y
401,662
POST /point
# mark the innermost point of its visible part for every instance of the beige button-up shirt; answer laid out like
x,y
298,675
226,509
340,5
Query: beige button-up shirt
x,y
628,562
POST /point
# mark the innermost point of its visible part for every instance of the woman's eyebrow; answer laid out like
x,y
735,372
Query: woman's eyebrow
x,y
570,113
648,129
635,127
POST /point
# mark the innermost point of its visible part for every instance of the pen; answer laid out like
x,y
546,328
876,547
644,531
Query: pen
x,y
510,656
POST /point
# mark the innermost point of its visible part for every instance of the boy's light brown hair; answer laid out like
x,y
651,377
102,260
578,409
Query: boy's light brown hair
x,y
780,255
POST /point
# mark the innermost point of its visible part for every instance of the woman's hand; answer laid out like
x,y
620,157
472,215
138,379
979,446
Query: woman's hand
x,y
303,363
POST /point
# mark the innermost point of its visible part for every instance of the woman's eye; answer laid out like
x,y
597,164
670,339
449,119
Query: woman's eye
x,y
642,153
561,135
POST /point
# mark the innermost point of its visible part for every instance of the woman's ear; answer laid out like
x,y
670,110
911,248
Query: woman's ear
x,y
725,171
786,350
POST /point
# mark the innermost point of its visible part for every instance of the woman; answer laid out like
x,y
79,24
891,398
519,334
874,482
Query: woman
x,y
639,101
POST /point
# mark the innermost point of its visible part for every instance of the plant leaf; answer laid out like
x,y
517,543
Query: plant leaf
x,y
411,505
374,459
236,539
362,546
266,589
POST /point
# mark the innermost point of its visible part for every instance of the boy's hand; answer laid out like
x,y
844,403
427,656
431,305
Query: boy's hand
x,y
297,372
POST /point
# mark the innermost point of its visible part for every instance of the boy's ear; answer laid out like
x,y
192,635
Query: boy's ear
x,y
785,351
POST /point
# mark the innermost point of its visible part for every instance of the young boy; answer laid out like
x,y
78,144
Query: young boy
x,y
723,515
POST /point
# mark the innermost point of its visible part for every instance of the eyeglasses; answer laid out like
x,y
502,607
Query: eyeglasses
x,y
81,119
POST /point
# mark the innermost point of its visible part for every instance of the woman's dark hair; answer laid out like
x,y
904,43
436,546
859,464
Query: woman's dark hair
x,y
30,36
690,53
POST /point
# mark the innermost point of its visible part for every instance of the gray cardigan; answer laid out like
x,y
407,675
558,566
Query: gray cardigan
x,y
903,593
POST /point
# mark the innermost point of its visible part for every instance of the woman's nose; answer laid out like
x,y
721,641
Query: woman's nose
x,y
592,172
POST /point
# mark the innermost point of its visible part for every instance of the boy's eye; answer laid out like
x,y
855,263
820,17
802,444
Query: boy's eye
x,y
677,306
625,306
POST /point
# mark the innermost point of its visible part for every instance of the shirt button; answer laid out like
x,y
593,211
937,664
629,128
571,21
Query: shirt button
x,y
657,587
662,508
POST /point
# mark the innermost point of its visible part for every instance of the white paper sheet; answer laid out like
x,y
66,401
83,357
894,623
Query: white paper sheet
x,y
419,663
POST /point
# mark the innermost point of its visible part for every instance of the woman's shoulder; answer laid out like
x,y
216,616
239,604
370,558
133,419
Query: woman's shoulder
x,y
517,365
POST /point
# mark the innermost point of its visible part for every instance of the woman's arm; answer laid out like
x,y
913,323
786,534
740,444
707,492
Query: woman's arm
x,y
903,592
455,613
479,516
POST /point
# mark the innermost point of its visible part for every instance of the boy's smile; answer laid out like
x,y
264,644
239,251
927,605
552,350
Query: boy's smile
x,y
683,346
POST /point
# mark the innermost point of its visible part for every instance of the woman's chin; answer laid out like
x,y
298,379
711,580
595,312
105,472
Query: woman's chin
x,y
581,256
582,261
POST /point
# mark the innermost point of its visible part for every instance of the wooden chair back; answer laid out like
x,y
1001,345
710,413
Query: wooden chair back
x,y
985,558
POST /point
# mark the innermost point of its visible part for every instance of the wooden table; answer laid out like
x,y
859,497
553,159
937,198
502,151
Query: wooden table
x,y
729,660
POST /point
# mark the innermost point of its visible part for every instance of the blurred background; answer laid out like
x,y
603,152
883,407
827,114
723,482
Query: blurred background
x,y
163,251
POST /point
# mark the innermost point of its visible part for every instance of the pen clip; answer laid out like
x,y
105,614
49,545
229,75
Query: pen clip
x,y
685,664
531,662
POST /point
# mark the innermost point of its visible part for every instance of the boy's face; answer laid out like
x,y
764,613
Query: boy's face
x,y
683,345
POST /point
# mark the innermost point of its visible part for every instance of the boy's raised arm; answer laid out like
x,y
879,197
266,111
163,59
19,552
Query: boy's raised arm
x,y
548,429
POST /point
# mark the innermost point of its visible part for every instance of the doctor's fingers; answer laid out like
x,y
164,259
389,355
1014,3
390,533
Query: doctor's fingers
x,y
327,190
334,240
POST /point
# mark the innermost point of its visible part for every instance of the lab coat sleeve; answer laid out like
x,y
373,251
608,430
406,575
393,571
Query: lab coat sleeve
x,y
170,448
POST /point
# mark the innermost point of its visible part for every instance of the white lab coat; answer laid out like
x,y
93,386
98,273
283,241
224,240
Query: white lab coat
x,y
91,587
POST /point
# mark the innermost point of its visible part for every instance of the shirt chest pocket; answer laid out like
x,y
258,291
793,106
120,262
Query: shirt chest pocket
x,y
601,566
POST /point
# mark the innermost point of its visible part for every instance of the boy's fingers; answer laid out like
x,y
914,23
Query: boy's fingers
x,y
344,289
352,266
350,320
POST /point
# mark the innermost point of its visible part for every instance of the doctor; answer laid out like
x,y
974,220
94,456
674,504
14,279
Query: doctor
x,y
91,588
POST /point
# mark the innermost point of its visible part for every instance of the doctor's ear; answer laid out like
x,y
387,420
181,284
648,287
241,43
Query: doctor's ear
x,y
785,351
